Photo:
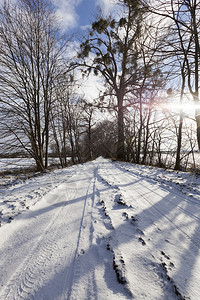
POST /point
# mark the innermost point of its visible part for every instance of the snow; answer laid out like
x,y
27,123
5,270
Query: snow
x,y
15,163
101,230
12,165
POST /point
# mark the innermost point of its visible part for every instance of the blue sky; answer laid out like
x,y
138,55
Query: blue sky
x,y
79,14
86,10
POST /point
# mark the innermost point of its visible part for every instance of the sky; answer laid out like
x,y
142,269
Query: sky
x,y
78,15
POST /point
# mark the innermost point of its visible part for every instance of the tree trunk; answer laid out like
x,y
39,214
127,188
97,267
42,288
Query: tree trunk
x,y
146,140
139,134
89,138
120,142
47,144
197,117
39,165
179,141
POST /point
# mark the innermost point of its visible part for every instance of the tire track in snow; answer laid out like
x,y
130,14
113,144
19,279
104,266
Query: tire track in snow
x,y
92,259
196,241
27,278
85,239
118,263
166,283
75,270
163,185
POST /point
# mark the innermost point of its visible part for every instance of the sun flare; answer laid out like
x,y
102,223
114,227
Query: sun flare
x,y
186,108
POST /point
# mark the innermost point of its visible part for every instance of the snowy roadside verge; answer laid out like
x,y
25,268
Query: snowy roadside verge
x,y
19,195
187,183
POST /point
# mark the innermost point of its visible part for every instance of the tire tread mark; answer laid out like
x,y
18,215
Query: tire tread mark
x,y
25,280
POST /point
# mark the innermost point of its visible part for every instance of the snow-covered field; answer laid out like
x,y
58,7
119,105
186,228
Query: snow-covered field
x,y
16,164
101,230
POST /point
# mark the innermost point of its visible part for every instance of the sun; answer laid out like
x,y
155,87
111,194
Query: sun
x,y
187,108
180,107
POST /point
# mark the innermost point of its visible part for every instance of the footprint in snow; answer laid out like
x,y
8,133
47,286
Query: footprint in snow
x,y
124,214
82,251
133,220
171,264
140,239
166,256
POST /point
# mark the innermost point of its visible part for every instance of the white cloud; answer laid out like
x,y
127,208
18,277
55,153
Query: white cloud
x,y
108,6
66,12
85,27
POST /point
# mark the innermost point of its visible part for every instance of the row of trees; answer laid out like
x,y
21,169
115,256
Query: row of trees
x,y
138,53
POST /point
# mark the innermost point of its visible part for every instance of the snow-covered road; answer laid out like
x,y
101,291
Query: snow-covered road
x,y
106,232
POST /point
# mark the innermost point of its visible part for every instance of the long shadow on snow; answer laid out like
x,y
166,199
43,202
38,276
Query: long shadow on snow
x,y
163,203
91,254
163,207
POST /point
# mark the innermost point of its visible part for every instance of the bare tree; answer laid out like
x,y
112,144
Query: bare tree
x,y
183,16
114,47
67,120
88,110
31,56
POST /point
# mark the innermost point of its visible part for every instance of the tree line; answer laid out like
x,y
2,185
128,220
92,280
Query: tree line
x,y
147,56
